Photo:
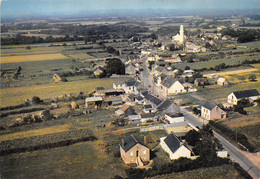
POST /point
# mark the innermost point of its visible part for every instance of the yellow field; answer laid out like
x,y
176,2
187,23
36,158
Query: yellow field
x,y
14,96
31,58
37,132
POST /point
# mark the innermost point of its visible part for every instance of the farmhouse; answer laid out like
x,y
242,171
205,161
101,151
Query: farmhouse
x,y
210,111
174,147
235,96
133,151
222,81
173,86
174,117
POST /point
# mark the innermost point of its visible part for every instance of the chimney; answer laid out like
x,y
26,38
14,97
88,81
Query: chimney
x,y
145,140
123,142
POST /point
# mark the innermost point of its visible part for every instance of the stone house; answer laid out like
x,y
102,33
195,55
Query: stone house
x,y
168,107
133,151
174,117
235,96
174,147
172,86
210,111
222,81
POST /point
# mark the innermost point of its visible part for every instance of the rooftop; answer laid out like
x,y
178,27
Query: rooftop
x,y
246,93
208,105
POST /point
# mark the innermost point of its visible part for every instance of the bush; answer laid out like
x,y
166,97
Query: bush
x,y
192,137
36,100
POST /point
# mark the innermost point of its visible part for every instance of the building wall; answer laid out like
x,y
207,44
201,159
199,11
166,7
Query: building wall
x,y
175,119
232,99
176,88
130,89
205,113
131,155
181,152
217,113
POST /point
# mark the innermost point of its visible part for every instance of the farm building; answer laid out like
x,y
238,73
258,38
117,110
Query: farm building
x,y
174,147
200,81
235,96
174,117
93,102
210,111
222,81
133,151
148,108
149,117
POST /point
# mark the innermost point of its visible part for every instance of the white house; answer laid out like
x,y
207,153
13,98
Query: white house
x,y
148,108
222,81
210,111
174,147
172,86
174,117
130,69
235,96
129,86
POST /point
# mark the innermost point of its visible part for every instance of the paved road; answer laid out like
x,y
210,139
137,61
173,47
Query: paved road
x,y
234,153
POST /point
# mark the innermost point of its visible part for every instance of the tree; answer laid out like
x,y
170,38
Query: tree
x,y
252,78
36,100
115,66
172,47
192,137
187,68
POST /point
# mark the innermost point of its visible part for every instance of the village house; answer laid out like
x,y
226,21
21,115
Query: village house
x,y
210,111
168,107
139,100
130,69
222,81
148,108
172,86
174,117
129,86
235,96
174,147
133,151
149,117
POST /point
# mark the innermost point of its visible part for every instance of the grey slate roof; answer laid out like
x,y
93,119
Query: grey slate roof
x,y
172,142
129,142
246,93
208,105
148,115
148,106
174,114
168,82
156,101
164,105
149,97
139,98
144,93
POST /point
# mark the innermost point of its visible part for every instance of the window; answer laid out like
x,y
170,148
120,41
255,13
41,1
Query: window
x,y
144,152
131,153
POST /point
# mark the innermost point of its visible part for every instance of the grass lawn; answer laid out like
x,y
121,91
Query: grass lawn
x,y
219,172
17,95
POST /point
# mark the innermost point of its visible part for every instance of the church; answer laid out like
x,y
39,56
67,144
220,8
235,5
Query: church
x,y
180,38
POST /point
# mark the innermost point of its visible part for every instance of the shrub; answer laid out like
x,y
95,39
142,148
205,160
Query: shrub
x,y
36,100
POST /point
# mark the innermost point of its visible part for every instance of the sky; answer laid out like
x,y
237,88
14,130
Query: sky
x,y
16,8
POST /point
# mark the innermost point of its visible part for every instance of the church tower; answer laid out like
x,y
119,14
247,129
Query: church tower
x,y
181,34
